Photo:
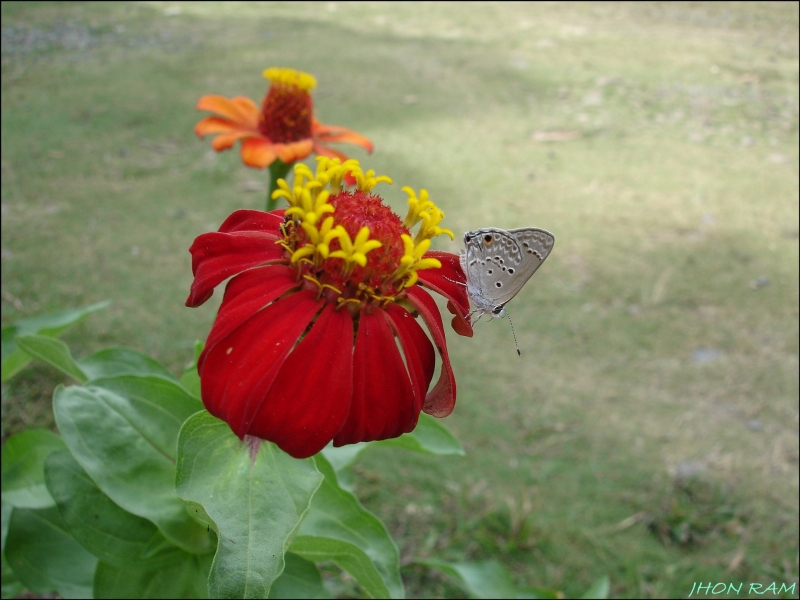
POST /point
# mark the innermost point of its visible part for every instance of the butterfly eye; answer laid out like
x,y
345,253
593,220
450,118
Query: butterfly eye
x,y
488,239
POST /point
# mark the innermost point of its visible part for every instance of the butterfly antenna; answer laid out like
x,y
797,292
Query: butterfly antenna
x,y
512,333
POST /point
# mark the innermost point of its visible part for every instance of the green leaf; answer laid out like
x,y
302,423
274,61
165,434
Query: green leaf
x,y
300,579
11,586
12,365
428,437
52,351
156,406
254,504
344,457
348,556
599,589
109,532
486,579
23,468
14,359
52,324
45,558
336,514
111,362
187,579
6,509
190,378
124,436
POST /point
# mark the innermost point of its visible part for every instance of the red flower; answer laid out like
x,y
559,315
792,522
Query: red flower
x,y
316,338
284,128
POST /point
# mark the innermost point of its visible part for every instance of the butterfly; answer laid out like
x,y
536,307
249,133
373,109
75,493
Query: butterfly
x,y
498,263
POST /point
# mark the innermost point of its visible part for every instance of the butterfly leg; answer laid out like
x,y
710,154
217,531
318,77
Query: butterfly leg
x,y
472,314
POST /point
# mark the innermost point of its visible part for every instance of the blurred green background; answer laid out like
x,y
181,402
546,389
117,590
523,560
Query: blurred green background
x,y
649,432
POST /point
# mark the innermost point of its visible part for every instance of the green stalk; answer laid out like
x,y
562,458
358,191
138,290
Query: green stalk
x,y
277,170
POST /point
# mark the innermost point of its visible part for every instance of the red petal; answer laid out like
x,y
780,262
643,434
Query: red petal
x,y
459,323
442,398
216,256
418,351
310,398
383,400
253,220
349,179
237,371
450,282
246,294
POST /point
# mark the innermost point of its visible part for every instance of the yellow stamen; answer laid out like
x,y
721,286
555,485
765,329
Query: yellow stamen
x,y
366,181
298,79
429,228
321,238
284,191
309,209
322,286
301,252
331,171
355,252
380,298
423,209
342,301
311,206
412,260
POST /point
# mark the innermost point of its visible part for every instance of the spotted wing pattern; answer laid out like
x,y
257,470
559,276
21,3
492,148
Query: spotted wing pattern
x,y
498,263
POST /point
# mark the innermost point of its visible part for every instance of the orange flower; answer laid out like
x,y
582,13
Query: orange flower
x,y
284,128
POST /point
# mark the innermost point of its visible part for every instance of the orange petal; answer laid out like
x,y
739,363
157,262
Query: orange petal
x,y
331,153
258,152
333,133
289,153
247,107
230,109
217,125
225,141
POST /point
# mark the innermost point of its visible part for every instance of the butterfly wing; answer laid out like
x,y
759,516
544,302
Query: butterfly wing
x,y
499,262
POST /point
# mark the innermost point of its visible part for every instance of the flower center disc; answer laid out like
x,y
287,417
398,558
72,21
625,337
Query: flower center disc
x,y
358,209
286,114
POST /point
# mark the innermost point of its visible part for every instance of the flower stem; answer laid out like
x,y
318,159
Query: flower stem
x,y
277,170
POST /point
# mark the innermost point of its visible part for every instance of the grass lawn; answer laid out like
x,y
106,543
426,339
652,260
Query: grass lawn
x,y
649,431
